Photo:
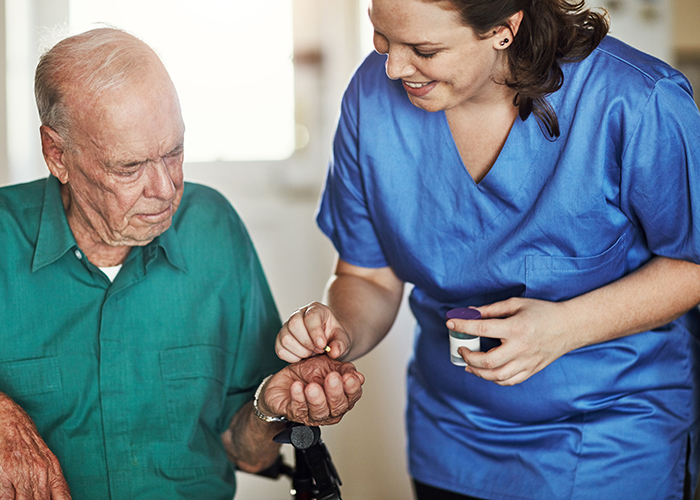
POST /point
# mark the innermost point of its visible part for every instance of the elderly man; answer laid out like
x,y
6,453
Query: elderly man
x,y
136,320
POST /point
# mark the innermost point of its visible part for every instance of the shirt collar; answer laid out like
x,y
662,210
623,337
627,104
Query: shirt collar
x,y
56,238
169,241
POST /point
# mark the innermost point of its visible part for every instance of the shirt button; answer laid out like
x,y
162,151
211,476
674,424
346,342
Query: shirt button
x,y
78,254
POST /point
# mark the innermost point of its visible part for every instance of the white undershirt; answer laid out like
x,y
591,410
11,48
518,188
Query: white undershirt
x,y
111,271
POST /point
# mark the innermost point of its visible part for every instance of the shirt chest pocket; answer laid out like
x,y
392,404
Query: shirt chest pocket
x,y
194,380
560,278
35,385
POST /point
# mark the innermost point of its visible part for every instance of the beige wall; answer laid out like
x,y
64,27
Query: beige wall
x,y
686,25
686,41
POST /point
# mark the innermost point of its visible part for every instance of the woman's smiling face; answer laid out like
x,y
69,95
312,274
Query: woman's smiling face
x,y
441,62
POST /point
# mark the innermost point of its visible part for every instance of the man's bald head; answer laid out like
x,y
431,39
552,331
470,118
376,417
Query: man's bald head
x,y
78,69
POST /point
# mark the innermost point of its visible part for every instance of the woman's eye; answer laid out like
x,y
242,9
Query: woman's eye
x,y
424,55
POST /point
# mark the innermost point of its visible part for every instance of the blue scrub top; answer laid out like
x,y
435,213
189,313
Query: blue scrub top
x,y
553,219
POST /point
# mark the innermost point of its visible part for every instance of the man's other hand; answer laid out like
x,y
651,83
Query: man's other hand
x,y
28,469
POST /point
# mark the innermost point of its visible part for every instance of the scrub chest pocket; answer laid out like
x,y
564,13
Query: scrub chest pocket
x,y
557,278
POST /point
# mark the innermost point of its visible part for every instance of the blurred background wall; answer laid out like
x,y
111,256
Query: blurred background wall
x,y
277,198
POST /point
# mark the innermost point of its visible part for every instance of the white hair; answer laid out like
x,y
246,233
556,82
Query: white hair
x,y
89,63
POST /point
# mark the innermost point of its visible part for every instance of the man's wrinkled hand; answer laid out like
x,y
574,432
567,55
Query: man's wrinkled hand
x,y
314,391
28,469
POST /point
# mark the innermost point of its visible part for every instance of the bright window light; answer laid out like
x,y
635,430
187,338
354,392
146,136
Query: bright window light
x,y
231,62
366,28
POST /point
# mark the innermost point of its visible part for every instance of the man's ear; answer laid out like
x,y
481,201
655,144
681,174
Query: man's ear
x,y
53,148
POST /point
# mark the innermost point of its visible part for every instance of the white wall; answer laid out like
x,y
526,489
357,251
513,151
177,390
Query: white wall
x,y
27,26
644,24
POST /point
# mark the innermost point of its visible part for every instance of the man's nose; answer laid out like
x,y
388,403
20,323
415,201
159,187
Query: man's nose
x,y
160,181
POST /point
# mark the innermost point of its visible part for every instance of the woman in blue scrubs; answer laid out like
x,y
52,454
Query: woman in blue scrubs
x,y
509,156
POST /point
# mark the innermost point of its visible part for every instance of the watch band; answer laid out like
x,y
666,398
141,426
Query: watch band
x,y
256,410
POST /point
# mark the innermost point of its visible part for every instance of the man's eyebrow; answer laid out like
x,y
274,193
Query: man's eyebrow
x,y
135,163
117,164
177,149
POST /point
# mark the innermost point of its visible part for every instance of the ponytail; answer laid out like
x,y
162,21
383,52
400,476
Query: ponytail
x,y
551,32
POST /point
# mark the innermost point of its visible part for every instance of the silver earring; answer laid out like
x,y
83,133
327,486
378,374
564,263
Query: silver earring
x,y
504,41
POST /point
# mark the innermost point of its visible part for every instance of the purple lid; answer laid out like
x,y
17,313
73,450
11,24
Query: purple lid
x,y
463,313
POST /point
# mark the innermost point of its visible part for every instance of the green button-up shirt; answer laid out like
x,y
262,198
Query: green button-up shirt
x,y
131,383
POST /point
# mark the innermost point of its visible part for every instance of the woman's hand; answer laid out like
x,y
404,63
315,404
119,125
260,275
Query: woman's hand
x,y
315,391
307,333
362,305
533,334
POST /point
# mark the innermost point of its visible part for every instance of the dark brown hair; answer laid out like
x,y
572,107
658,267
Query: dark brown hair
x,y
551,32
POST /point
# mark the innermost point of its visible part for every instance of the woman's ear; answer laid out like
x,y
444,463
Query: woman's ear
x,y
514,22
503,36
52,146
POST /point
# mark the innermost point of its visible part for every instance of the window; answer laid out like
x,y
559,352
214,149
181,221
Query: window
x,y
231,62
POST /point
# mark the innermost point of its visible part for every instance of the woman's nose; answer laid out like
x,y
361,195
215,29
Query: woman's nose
x,y
399,63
